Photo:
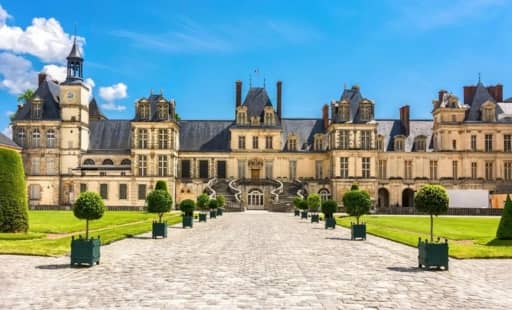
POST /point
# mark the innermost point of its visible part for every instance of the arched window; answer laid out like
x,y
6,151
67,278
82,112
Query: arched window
x,y
324,194
399,144
108,162
36,138
21,136
50,138
89,162
126,162
420,144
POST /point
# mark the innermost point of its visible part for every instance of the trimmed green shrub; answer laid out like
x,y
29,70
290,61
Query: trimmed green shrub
x,y
329,207
213,204
202,202
357,202
432,199
159,201
13,193
89,206
505,228
354,187
221,200
161,185
296,202
187,206
314,202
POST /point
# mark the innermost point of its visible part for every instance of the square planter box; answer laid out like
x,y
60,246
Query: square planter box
x,y
85,251
304,214
203,217
220,211
433,254
213,214
188,221
159,230
357,231
330,223
315,218
296,212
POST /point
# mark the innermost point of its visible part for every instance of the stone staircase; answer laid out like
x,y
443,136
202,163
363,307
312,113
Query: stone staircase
x,y
221,187
285,203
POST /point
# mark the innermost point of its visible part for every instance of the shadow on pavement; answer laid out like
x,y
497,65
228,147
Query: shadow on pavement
x,y
54,266
405,269
338,238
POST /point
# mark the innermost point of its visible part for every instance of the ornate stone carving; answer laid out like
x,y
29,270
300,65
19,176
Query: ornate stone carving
x,y
256,163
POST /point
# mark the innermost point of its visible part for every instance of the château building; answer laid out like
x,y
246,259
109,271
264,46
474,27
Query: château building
x,y
259,159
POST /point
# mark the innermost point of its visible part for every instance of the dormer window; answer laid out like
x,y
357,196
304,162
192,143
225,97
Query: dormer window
x,y
420,144
292,143
162,111
344,111
255,121
318,142
36,109
365,111
488,113
21,136
269,118
241,117
144,110
399,143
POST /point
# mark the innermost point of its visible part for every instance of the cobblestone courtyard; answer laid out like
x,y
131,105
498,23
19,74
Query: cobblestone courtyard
x,y
254,260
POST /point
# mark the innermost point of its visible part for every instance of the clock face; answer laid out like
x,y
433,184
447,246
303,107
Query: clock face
x,y
70,96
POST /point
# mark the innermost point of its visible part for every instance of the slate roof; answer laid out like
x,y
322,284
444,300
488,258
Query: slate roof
x,y
5,141
153,100
48,92
75,51
95,112
202,135
110,135
391,128
305,129
480,97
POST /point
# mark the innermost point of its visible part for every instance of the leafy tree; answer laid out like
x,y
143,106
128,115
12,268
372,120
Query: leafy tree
x,y
329,207
354,187
13,193
213,204
505,228
432,199
221,200
187,206
89,206
296,202
159,201
26,96
357,202
202,201
314,202
162,185
177,117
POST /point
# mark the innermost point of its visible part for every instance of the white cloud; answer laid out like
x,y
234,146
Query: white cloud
x,y
90,83
54,72
111,106
8,131
3,16
17,73
114,92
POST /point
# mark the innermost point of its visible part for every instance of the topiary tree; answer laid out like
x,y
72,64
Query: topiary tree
x,y
161,185
202,201
354,187
505,227
314,202
13,193
187,206
89,206
159,201
221,200
329,207
213,204
357,202
432,199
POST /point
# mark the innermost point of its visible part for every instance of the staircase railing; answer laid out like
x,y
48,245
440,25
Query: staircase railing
x,y
277,191
209,186
236,190
301,191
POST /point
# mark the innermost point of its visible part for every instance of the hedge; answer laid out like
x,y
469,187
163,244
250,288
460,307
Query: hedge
x,y
13,193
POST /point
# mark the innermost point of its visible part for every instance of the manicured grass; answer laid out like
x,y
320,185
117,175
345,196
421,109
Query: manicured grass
x,y
468,237
115,225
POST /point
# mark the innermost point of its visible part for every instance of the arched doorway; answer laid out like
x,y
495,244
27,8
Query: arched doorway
x,y
383,201
324,194
255,200
408,198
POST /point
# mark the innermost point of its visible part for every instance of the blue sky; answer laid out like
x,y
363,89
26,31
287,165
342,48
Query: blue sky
x,y
399,52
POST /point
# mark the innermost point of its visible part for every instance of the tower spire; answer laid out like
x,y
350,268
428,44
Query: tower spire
x,y
75,62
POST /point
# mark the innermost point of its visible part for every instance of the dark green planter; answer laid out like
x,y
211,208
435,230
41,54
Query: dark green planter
x,y
330,223
296,212
203,217
432,254
188,221
213,214
85,251
357,231
315,218
220,211
304,214
159,230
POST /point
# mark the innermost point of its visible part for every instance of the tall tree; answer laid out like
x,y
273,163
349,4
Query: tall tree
x,y
26,96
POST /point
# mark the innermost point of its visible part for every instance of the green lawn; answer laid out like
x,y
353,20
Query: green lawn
x,y
49,232
468,237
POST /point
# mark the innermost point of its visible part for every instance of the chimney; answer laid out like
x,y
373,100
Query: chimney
x,y
325,116
441,95
238,93
404,118
496,92
469,93
279,86
41,77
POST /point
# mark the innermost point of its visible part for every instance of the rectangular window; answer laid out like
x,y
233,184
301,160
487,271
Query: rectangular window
x,y
185,168
162,165
255,143
382,169
34,192
268,142
507,170
269,169
36,166
203,169
344,139
173,143
123,191
83,187
473,142
319,171
366,167
143,138
344,167
241,169
221,169
241,142
474,170
433,169
454,145
163,138
141,192
399,144
366,139
143,165
104,191
489,170
292,144
488,143
507,143
293,169
50,166
408,169
455,169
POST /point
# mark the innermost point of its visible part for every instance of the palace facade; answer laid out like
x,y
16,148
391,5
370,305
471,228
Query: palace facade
x,y
259,159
